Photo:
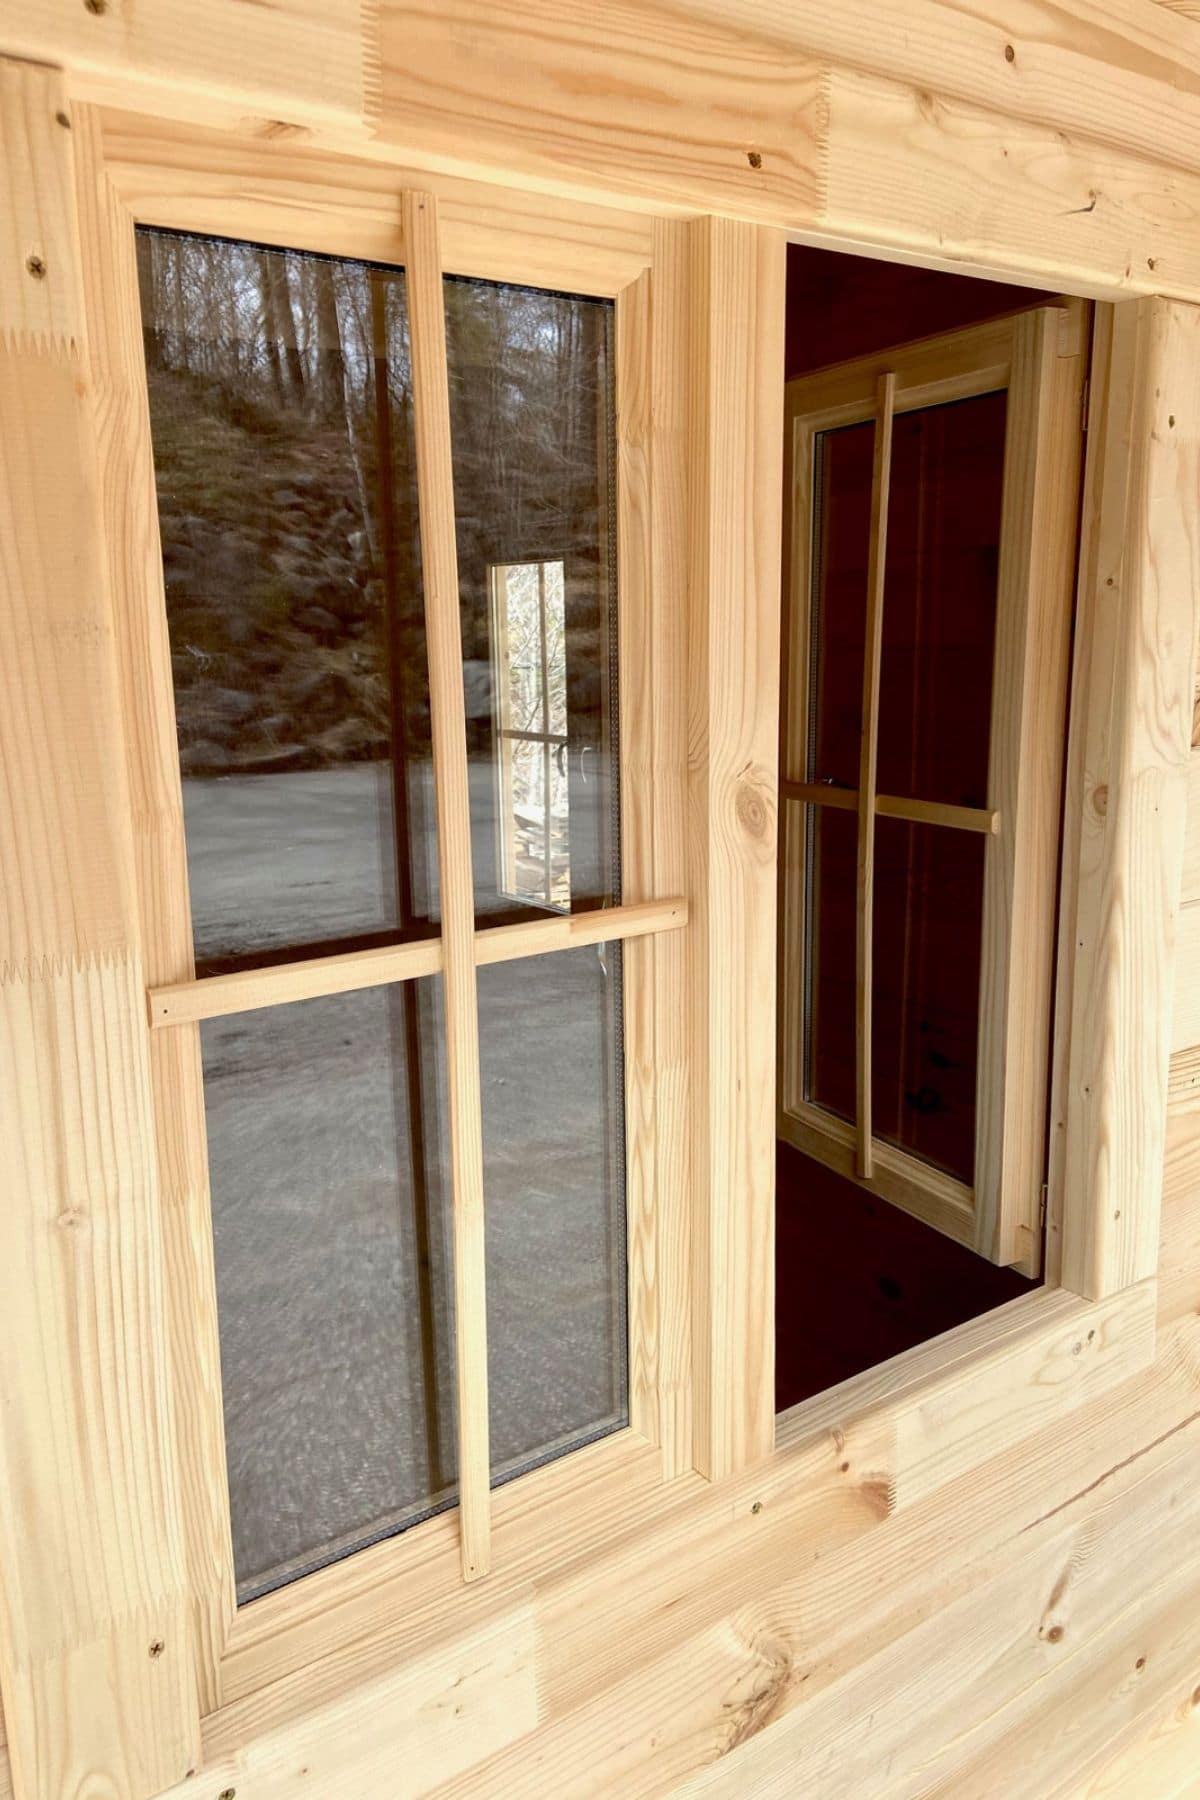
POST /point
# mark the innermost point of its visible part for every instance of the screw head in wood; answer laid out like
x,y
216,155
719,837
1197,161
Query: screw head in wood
x,y
61,118
754,158
157,1647
227,1794
1010,54
96,6
36,267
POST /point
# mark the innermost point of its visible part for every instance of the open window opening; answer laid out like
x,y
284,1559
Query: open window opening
x,y
932,464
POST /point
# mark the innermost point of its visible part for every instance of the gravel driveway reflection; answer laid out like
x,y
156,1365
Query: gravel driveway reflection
x,y
333,1281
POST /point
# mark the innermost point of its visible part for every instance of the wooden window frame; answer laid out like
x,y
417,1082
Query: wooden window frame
x,y
237,1648
700,317
1037,357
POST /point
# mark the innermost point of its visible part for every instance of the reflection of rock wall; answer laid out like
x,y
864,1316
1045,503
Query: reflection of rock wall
x,y
275,597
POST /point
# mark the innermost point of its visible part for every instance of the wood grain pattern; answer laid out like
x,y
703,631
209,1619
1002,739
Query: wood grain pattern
x,y
864,936
669,550
429,1720
1039,530
95,1645
283,191
135,576
298,61
443,631
651,399
1128,769
1058,143
635,638
733,658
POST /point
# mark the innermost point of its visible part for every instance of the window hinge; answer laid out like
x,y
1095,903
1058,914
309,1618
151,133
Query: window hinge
x,y
1086,402
1042,1205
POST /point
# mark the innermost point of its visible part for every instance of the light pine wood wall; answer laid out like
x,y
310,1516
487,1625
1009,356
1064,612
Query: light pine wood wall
x,y
837,1621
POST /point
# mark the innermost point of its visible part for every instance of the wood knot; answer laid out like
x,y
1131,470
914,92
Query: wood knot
x,y
1100,799
753,813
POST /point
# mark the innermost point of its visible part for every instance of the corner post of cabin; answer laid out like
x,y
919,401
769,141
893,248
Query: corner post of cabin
x,y
735,511
1139,601
96,1660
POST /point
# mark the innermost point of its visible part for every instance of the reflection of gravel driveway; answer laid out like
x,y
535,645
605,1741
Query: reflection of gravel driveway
x,y
332,1426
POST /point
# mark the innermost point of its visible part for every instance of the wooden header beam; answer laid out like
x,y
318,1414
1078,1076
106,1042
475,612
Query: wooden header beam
x,y
1062,152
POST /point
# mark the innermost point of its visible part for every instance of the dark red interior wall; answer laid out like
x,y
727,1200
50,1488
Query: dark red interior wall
x,y
843,306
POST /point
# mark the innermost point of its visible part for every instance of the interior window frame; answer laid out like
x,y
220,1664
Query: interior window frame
x,y
1037,356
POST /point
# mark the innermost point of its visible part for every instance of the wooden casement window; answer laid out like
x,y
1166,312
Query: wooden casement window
x,y
934,495
374,1085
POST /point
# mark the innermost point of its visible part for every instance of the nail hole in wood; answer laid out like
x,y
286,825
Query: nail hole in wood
x,y
1010,54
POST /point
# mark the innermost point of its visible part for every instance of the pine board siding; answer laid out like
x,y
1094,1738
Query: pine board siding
x,y
972,1571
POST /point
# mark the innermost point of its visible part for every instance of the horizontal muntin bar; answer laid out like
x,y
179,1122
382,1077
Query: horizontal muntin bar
x,y
247,990
892,806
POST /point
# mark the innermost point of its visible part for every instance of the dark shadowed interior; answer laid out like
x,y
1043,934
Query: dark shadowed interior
x,y
857,1279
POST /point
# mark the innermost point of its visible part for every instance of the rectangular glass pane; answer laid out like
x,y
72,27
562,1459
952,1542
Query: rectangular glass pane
x,y
841,532
925,1018
330,1199
831,885
939,612
281,416
532,417
554,1190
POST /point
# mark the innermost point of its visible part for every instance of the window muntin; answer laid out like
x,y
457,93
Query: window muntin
x,y
298,1131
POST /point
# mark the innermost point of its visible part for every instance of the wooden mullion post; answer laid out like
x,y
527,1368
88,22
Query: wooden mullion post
x,y
439,563
735,494
96,1661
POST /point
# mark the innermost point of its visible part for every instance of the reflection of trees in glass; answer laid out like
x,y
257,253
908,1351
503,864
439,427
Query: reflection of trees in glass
x,y
532,421
287,569
529,646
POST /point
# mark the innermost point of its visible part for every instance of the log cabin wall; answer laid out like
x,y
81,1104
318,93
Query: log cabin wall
x,y
879,1605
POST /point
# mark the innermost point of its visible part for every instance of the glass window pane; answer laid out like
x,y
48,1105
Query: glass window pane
x,y
520,648
925,1019
842,472
280,405
939,613
331,1217
831,889
554,1189
532,416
